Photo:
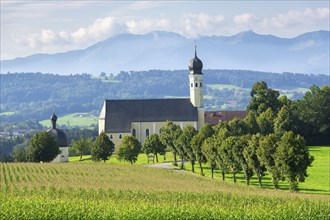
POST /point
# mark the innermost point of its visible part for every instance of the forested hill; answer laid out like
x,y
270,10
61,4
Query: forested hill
x,y
35,95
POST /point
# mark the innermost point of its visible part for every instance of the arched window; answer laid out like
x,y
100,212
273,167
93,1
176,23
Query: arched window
x,y
200,84
196,84
147,132
111,136
191,84
134,132
120,136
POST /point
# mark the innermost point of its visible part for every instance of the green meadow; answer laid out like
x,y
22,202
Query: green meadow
x,y
76,119
7,113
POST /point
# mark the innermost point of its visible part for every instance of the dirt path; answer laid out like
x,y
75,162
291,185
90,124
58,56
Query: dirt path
x,y
167,166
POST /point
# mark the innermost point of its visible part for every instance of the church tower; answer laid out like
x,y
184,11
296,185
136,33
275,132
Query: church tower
x,y
196,87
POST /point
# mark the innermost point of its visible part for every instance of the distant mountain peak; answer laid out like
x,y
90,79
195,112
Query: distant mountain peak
x,y
307,53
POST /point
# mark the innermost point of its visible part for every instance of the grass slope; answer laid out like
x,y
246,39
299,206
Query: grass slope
x,y
317,181
75,119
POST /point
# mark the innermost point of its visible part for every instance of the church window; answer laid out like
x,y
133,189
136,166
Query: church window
x,y
196,85
134,132
200,84
147,132
191,84
120,136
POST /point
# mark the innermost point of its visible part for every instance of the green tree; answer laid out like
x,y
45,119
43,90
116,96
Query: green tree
x,y
284,121
196,144
251,123
266,122
102,148
313,111
222,153
210,151
237,127
42,147
293,159
263,98
250,154
266,156
19,153
168,134
153,145
129,149
82,146
238,148
228,151
183,145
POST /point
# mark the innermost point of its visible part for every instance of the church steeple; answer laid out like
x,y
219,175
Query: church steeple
x,y
53,119
196,81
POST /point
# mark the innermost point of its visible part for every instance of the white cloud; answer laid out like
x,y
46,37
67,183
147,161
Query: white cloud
x,y
306,17
245,18
287,24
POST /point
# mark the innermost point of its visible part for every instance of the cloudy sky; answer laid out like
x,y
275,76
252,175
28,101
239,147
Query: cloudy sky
x,y
45,26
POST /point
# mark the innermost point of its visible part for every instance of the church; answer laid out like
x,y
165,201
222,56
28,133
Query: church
x,y
141,118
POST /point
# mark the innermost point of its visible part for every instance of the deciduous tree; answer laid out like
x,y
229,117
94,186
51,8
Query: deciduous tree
x,y
229,158
153,145
293,159
102,148
129,149
183,144
210,151
263,98
250,154
168,134
266,156
42,147
82,146
197,141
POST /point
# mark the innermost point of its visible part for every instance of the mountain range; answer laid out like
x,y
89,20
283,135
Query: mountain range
x,y
306,53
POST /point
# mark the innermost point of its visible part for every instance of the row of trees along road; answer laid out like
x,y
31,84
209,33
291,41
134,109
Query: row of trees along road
x,y
270,138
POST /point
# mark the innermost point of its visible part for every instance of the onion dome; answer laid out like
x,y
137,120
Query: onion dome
x,y
195,65
59,135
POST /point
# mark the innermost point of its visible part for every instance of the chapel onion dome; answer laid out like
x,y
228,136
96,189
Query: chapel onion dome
x,y
59,135
195,65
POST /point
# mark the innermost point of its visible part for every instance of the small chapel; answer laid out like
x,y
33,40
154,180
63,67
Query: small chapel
x,y
143,117
61,140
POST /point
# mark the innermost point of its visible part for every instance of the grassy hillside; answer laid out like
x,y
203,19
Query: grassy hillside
x,y
76,119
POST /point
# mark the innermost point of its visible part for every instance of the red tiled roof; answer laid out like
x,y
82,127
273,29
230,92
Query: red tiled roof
x,y
215,117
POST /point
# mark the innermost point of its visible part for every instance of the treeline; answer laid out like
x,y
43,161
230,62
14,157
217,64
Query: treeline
x,y
34,95
271,138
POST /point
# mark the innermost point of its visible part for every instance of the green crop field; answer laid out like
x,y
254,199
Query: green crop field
x,y
118,190
75,119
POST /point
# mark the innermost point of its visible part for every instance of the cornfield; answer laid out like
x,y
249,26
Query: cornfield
x,y
103,191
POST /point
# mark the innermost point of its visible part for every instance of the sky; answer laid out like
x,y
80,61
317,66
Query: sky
x,y
49,26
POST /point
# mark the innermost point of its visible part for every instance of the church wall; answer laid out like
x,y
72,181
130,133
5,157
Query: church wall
x,y
117,137
154,127
63,156
101,125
